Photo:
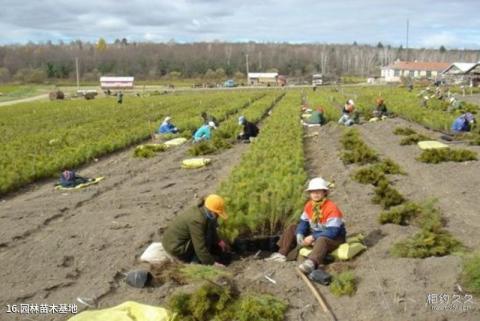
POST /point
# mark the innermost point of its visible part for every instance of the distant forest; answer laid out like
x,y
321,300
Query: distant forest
x,y
37,63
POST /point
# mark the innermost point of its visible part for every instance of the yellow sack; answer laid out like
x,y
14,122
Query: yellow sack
x,y
347,251
195,162
127,311
356,238
305,251
92,182
431,144
175,142
374,119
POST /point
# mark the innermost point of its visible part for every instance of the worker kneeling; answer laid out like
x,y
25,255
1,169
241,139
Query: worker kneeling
x,y
316,118
192,236
380,111
463,123
321,226
250,130
349,115
204,132
167,127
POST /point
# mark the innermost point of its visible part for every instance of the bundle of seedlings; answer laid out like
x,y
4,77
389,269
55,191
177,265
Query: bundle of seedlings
x,y
375,173
221,144
386,195
360,155
413,139
435,156
423,215
471,273
149,150
356,151
369,175
401,215
343,283
404,131
220,300
425,244
202,148
432,240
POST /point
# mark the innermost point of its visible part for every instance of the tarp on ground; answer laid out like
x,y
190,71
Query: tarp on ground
x,y
127,311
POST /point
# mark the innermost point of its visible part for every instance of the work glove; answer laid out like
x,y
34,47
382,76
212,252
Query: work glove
x,y
300,238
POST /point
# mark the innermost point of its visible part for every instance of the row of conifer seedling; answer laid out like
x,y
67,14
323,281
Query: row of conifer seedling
x,y
432,239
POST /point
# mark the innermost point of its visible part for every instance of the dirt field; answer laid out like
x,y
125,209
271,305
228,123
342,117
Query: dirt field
x,y
393,288
58,246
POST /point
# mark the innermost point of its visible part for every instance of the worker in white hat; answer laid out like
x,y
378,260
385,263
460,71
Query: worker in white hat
x,y
167,127
204,132
321,226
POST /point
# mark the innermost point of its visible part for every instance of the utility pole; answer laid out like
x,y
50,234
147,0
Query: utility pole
x,y
407,37
78,76
246,61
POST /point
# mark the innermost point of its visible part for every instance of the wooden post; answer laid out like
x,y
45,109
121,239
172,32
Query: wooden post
x,y
317,295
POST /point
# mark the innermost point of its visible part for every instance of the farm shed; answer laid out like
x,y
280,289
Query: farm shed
x,y
413,69
262,78
116,82
456,73
473,74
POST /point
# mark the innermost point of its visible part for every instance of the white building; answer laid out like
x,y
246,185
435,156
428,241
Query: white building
x,y
116,82
457,73
413,69
262,78
473,75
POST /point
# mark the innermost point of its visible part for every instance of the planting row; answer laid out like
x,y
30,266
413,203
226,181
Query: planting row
x,y
265,189
39,139
225,135
433,239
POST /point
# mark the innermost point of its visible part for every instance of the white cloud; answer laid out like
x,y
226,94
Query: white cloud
x,y
445,38
111,23
432,22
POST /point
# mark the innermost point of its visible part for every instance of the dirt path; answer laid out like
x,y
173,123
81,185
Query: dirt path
x,y
23,100
57,246
396,288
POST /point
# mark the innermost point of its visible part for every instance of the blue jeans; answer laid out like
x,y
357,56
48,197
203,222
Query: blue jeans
x,y
345,120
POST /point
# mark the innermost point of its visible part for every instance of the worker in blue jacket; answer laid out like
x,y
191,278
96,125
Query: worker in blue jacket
x,y
204,132
463,123
167,127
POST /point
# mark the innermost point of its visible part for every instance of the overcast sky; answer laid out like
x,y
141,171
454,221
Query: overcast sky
x,y
454,24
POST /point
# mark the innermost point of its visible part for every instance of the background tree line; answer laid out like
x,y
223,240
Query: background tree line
x,y
214,61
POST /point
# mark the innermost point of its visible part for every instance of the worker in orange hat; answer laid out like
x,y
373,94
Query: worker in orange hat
x,y
380,111
192,236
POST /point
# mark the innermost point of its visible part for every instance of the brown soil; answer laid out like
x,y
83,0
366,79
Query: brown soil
x,y
397,288
57,246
